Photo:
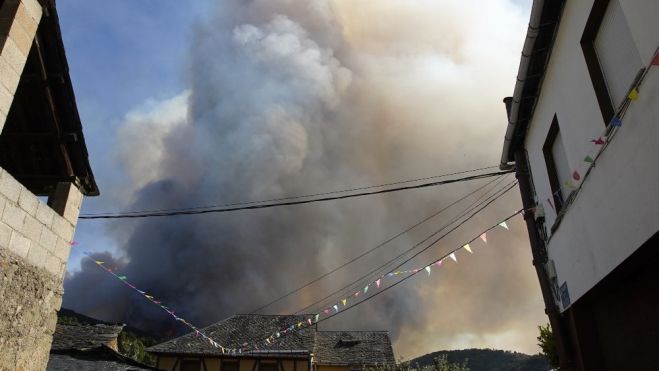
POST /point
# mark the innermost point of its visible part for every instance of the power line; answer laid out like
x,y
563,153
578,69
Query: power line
x,y
297,197
486,202
359,281
381,244
290,203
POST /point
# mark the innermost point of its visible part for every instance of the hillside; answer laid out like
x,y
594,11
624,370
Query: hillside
x,y
487,360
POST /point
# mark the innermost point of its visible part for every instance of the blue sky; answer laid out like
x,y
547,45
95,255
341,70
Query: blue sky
x,y
121,53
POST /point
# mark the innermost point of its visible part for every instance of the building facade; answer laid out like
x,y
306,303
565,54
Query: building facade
x,y
583,136
42,156
305,349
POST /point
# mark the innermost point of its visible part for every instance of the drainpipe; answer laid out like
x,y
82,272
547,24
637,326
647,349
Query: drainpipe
x,y
538,251
529,43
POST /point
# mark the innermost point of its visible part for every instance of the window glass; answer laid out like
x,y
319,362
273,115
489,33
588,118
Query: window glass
x,y
229,366
617,54
561,165
190,365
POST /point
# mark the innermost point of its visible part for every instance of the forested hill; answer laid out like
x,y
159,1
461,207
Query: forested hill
x,y
487,360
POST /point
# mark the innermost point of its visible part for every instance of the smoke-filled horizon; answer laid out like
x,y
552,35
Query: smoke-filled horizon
x,y
289,97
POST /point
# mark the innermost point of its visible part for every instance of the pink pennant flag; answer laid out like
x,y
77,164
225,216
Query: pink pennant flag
x,y
455,259
377,283
356,294
655,60
484,237
309,321
439,263
468,248
599,141
326,311
73,243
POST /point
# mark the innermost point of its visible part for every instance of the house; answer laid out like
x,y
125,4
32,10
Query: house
x,y
305,349
583,138
89,347
42,156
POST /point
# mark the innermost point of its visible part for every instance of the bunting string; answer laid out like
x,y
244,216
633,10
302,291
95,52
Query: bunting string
x,y
571,187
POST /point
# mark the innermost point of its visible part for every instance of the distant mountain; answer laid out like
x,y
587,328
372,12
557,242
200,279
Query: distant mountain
x,y
486,360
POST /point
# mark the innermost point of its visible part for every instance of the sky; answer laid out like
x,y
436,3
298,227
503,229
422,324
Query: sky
x,y
222,101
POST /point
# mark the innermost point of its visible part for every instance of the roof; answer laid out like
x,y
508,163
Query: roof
x,y
353,348
42,140
81,337
533,64
101,359
245,328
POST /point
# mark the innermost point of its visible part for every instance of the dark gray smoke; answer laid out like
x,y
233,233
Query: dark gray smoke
x,y
289,97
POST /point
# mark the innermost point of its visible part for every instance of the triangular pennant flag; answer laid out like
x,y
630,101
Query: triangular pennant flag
x,y
616,122
588,159
439,263
468,248
344,302
455,259
309,321
428,270
356,294
398,273
326,311
568,183
317,317
299,324
336,308
390,274
149,297
504,225
73,243
123,278
484,237
655,60
599,141
377,283
633,95
576,176
278,334
365,289
99,262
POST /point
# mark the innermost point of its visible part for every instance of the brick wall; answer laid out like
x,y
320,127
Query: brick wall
x,y
34,248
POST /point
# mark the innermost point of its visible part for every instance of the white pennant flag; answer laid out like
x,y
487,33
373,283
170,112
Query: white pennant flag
x,y
503,224
468,248
428,270
453,257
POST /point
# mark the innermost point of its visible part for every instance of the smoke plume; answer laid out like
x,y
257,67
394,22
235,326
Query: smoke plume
x,y
288,97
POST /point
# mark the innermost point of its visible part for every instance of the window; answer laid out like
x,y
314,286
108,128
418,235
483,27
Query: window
x,y
190,365
611,55
229,366
558,167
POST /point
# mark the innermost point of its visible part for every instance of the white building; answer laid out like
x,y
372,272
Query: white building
x,y
583,136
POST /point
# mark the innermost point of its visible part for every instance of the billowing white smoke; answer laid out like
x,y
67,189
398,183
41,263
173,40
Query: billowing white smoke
x,y
289,97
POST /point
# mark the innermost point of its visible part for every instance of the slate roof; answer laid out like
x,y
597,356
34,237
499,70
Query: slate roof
x,y
80,337
353,348
100,359
245,328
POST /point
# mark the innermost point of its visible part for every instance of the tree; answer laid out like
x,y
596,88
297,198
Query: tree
x,y
547,345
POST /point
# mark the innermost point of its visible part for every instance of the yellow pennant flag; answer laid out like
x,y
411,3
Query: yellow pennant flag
x,y
344,302
633,95
468,248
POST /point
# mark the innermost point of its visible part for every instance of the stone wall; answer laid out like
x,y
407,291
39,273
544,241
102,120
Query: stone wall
x,y
35,242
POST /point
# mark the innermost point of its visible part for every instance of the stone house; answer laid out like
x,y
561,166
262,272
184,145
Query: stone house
x,y
42,156
304,350
89,347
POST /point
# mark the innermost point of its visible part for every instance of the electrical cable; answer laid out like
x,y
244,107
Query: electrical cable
x,y
291,203
486,202
381,244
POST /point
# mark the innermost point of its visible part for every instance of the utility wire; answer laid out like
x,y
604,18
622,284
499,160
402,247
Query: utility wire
x,y
297,197
290,203
480,208
413,274
381,244
359,281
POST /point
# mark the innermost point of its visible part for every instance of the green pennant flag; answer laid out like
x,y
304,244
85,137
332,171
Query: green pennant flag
x,y
123,278
588,159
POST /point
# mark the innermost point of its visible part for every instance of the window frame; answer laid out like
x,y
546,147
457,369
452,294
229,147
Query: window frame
x,y
550,163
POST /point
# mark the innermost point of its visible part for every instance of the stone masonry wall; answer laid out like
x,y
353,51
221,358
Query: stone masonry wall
x,y
35,242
